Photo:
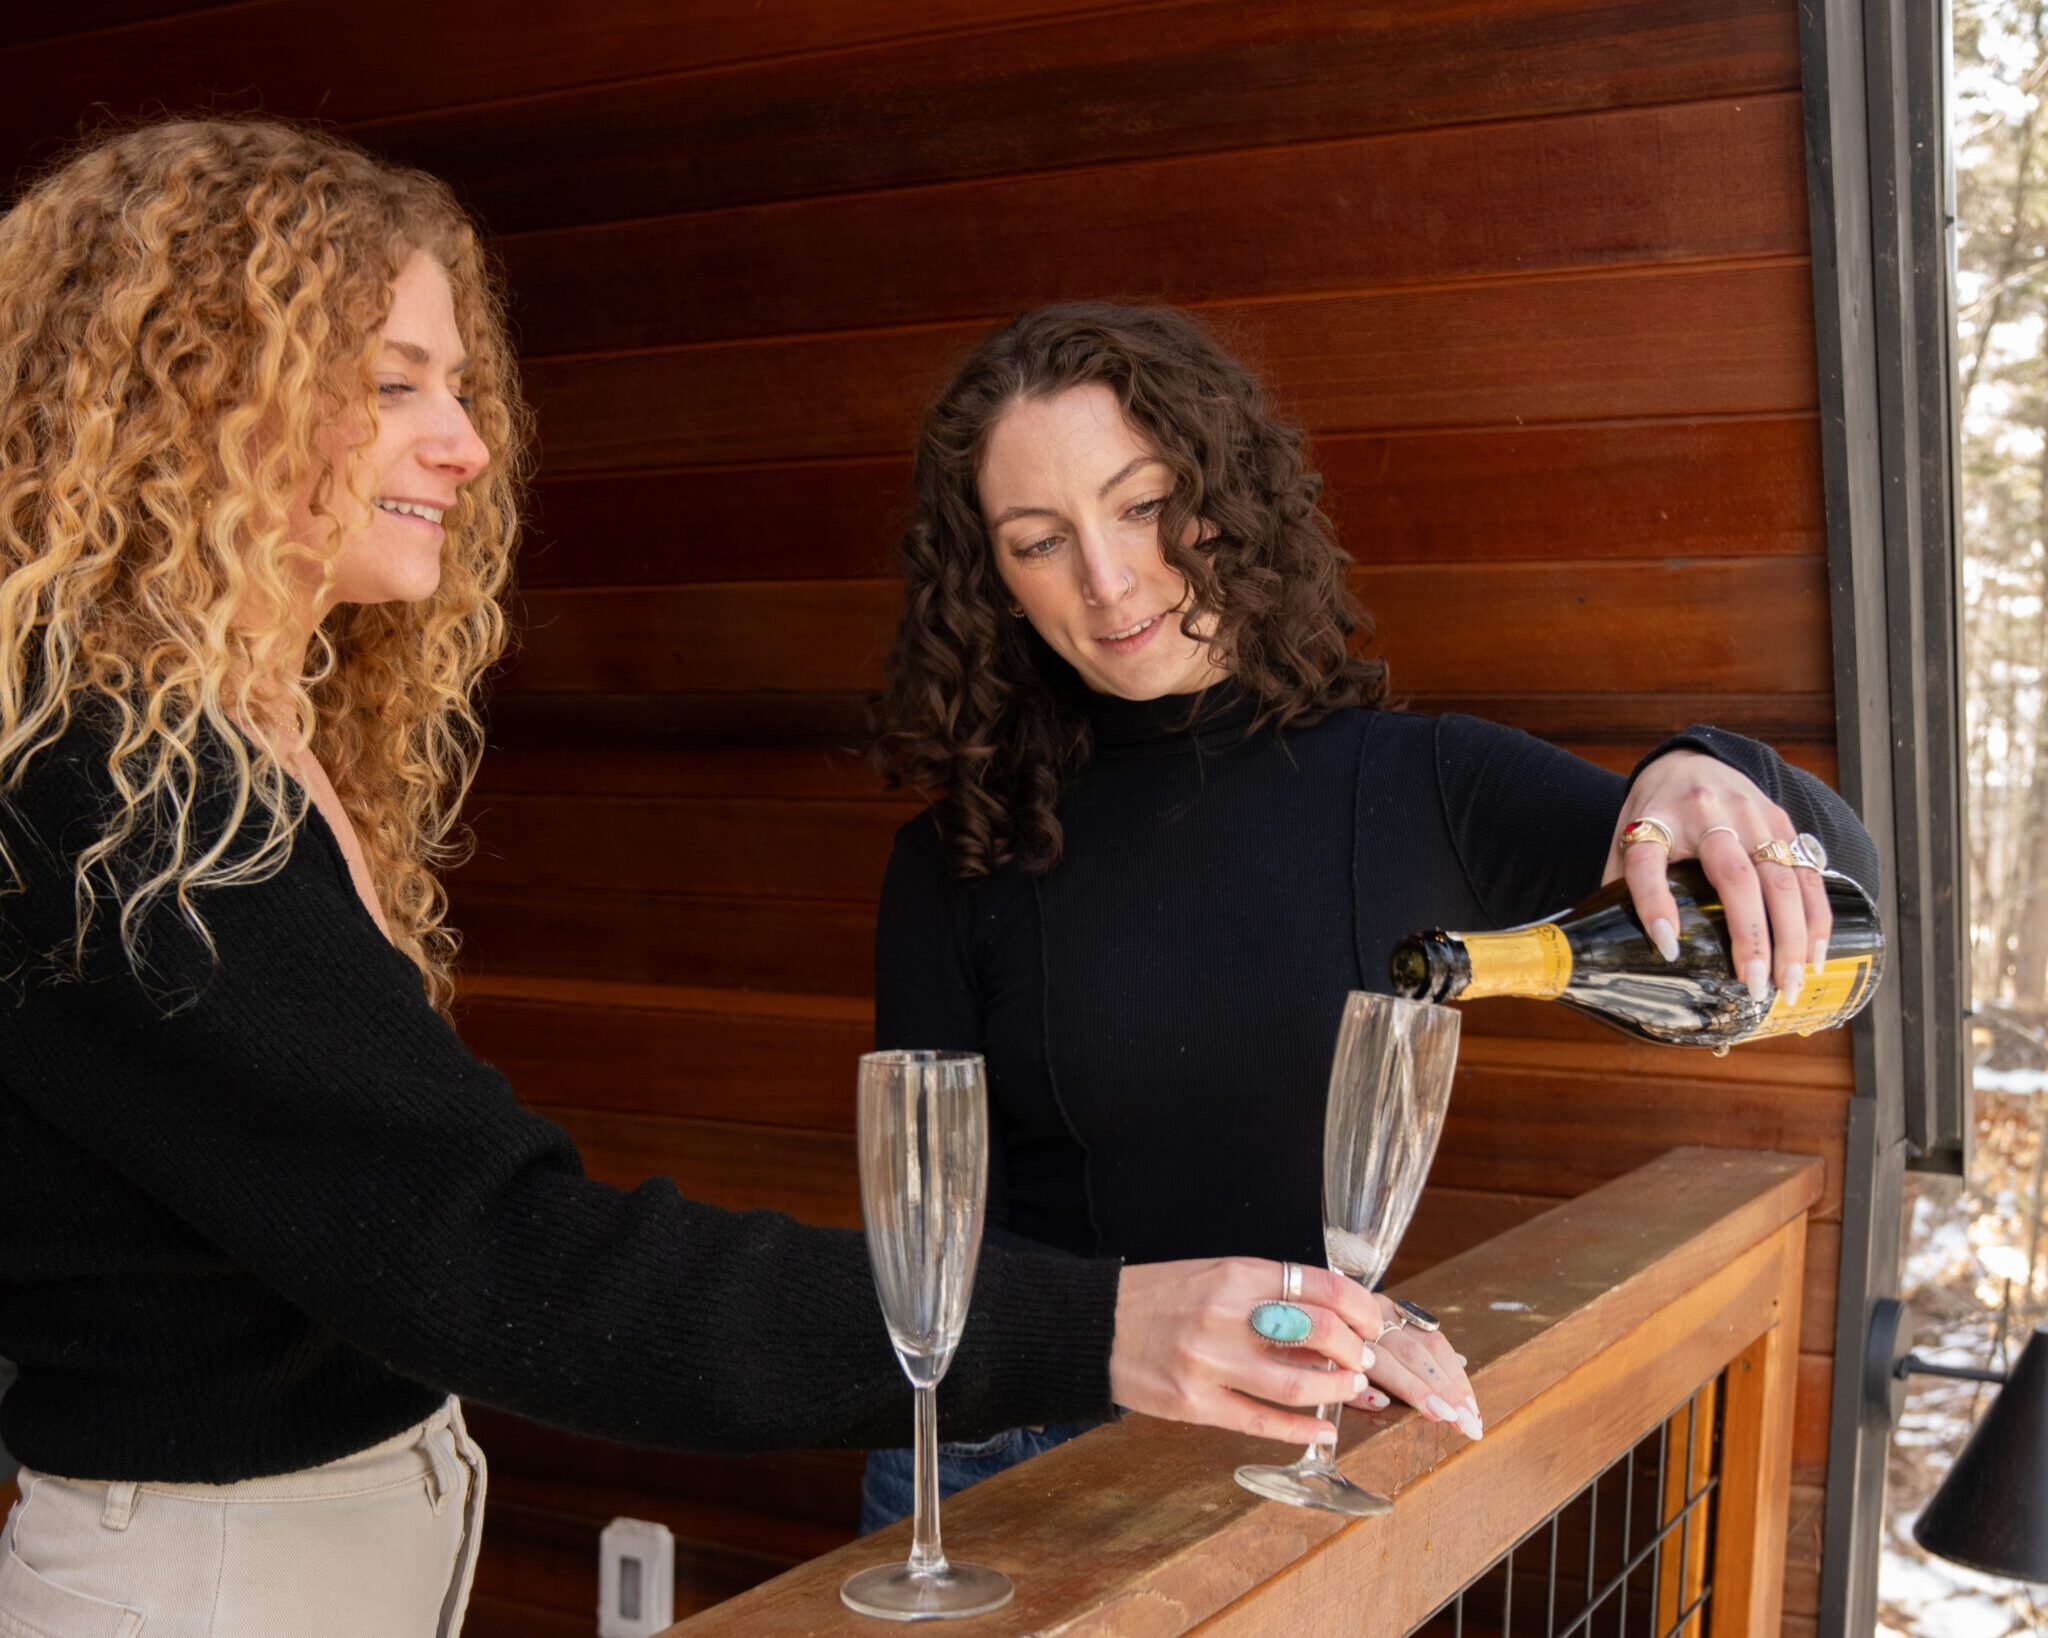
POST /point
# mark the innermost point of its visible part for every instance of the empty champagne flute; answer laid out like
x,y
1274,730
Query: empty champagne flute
x,y
1390,1084
923,1140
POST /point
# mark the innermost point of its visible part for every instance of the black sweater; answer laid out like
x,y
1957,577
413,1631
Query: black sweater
x,y
1158,1011
280,1224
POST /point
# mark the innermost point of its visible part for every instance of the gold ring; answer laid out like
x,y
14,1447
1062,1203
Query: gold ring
x,y
1730,829
1647,829
1775,852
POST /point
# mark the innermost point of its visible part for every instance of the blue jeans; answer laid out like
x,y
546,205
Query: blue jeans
x,y
888,1489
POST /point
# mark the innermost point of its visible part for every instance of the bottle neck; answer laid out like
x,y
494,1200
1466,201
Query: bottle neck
x,y
1535,962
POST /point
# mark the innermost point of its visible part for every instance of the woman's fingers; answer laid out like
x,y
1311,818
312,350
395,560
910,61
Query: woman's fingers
x,y
1726,860
1220,1408
1287,1383
1786,905
1820,916
1324,1291
1420,1369
1647,867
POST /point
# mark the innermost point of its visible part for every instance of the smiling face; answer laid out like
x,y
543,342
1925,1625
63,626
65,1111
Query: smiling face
x,y
1071,493
425,450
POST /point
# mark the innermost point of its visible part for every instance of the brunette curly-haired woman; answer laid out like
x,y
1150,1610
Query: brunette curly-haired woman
x,y
1175,819
261,1215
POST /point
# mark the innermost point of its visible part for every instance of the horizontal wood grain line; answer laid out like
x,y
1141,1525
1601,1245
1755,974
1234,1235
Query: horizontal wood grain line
x,y
791,1064
1403,209
104,22
1708,341
1205,76
474,57
1668,489
1705,625
759,944
515,767
1503,1137
817,849
630,737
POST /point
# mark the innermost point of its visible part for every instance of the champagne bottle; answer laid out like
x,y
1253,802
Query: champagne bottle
x,y
1597,958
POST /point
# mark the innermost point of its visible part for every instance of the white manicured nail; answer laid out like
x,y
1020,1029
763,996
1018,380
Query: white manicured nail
x,y
1326,1435
1665,937
1439,1407
1820,954
1375,1400
1795,979
1470,1426
1757,975
1358,1386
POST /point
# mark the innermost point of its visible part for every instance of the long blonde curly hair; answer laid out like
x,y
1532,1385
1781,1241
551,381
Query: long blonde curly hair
x,y
184,307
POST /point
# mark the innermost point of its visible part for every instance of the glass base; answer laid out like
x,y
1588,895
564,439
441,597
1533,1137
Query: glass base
x,y
896,1592
1324,1487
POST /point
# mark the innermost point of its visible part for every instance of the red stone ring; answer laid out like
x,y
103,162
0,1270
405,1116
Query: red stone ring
x,y
1646,829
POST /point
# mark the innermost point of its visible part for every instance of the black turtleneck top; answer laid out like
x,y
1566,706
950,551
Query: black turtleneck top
x,y
1159,1009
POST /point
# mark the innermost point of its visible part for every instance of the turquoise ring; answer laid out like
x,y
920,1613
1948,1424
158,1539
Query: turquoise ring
x,y
1282,1322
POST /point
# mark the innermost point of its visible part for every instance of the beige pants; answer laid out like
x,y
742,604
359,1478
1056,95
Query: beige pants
x,y
381,1544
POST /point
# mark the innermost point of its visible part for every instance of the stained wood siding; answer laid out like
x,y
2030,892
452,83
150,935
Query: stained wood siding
x,y
1534,273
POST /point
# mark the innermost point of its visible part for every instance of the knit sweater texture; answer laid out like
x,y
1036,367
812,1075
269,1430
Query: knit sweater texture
x,y
265,1210
1158,1011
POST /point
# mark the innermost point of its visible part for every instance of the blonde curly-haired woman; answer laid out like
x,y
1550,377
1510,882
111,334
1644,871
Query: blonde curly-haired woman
x,y
262,1217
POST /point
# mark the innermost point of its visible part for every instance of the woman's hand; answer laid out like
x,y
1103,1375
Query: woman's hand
x,y
1778,917
1424,1369
1185,1350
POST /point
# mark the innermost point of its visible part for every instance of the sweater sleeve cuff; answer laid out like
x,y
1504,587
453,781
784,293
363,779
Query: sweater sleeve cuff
x,y
1053,1321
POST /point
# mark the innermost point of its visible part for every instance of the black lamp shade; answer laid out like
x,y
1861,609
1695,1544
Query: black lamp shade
x,y
1991,1512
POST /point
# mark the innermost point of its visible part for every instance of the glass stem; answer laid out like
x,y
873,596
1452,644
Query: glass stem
x,y
1318,1455
925,1552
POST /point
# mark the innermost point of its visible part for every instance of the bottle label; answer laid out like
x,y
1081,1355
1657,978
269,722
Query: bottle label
x,y
1531,961
1825,999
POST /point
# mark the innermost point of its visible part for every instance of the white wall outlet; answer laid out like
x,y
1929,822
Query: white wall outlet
x,y
636,1579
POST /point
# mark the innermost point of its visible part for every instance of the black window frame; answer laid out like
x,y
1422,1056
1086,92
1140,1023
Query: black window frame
x,y
1880,196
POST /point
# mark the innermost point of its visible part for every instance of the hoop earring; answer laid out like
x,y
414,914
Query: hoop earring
x,y
1017,608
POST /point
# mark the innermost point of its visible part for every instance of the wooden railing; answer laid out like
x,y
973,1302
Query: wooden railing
x,y
1586,1329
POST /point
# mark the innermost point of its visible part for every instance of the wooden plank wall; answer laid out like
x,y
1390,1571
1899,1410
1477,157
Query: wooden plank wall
x,y
1533,271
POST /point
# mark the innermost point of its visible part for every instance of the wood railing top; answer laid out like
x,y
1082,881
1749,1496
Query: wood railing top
x,y
1608,1309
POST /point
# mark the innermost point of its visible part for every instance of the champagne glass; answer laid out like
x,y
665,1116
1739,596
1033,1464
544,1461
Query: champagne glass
x,y
923,1142
1390,1084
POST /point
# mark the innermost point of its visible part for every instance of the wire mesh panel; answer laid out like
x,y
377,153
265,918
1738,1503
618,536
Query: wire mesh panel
x,y
1627,1557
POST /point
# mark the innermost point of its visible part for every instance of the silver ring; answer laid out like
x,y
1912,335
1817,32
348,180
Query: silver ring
x,y
1395,1324
1290,1282
1808,852
1413,1313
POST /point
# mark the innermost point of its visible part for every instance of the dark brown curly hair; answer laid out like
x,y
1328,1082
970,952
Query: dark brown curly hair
x,y
978,712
